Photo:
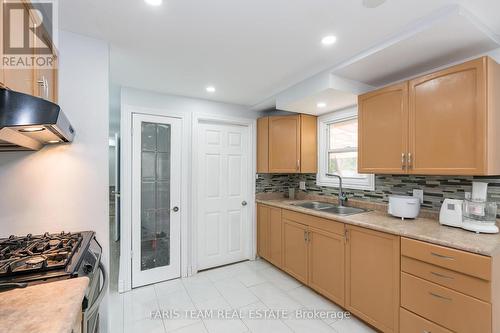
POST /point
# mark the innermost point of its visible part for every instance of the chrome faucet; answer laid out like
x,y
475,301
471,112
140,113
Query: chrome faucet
x,y
342,195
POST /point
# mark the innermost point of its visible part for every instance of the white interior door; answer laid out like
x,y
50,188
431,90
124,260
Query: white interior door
x,y
223,216
156,197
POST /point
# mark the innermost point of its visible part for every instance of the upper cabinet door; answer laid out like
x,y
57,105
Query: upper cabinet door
x,y
448,121
284,144
383,130
263,145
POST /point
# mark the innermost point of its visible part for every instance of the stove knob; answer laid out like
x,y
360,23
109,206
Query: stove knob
x,y
87,268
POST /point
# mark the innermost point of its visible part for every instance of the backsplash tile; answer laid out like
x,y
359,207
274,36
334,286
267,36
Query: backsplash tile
x,y
436,188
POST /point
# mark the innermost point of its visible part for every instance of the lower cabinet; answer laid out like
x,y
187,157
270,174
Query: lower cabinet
x,y
269,234
373,277
295,248
326,264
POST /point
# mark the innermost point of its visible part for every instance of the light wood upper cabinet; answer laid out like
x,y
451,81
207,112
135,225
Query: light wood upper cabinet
x,y
445,123
383,130
263,145
372,277
295,250
326,264
287,144
448,120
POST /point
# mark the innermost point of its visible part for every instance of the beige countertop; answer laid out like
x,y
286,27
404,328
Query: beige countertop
x,y
425,229
48,307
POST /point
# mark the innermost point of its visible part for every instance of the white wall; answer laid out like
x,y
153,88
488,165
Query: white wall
x,y
65,187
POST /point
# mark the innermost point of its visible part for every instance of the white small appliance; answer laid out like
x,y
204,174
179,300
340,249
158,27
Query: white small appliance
x,y
451,213
403,206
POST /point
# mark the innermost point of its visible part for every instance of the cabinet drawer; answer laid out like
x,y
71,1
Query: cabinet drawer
x,y
313,221
411,323
455,311
460,261
457,281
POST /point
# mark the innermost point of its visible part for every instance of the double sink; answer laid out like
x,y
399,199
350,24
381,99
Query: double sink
x,y
330,208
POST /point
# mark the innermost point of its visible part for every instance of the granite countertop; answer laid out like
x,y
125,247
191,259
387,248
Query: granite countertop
x,y
422,228
48,307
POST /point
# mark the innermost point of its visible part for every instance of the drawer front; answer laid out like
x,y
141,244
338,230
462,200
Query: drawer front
x,y
456,260
316,222
455,311
411,323
457,281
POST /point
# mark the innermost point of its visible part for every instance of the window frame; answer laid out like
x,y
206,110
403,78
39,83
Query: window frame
x,y
324,121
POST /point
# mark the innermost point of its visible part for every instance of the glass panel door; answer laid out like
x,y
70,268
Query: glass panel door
x,y
156,182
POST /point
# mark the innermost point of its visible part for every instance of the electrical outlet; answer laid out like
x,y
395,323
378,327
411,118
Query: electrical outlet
x,y
419,194
302,185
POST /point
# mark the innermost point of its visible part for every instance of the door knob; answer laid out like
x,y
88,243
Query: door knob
x,y
243,203
175,209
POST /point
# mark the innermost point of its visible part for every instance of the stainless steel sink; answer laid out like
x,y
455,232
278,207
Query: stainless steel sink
x,y
330,208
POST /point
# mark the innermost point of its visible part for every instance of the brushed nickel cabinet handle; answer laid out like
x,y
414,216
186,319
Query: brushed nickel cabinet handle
x,y
298,165
442,256
403,161
440,297
305,236
410,162
443,276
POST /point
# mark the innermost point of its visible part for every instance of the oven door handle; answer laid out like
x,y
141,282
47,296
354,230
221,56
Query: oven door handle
x,y
95,306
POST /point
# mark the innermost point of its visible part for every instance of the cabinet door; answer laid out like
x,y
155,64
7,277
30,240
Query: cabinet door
x,y
295,250
263,145
326,264
373,277
263,214
284,144
383,130
448,121
308,144
275,236
20,79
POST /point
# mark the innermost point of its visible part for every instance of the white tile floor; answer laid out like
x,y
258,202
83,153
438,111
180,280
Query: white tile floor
x,y
248,287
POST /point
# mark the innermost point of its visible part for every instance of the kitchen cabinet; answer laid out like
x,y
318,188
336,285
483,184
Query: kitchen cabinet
x,y
263,219
295,250
269,233
383,130
40,82
373,277
287,144
326,264
443,123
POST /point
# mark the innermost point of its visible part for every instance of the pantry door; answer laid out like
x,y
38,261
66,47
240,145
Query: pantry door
x,y
223,214
156,197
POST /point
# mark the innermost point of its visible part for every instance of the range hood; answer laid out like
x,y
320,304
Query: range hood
x,y
29,123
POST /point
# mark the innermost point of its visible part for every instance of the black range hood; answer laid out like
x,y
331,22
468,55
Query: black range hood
x,y
29,123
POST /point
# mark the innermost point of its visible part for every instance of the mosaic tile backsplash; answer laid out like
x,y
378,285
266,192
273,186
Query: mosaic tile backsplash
x,y
436,188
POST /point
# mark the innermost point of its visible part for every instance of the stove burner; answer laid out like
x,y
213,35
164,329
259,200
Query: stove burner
x,y
37,253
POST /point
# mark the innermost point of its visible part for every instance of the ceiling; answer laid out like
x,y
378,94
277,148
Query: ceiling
x,y
249,50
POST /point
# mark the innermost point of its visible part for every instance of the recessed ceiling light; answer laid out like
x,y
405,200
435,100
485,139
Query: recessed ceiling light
x,y
329,40
321,105
211,89
153,2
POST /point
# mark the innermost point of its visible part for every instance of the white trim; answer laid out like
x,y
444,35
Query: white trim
x,y
221,119
321,178
125,274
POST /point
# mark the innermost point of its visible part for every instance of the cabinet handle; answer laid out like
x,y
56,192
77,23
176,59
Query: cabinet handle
x,y
298,165
442,256
410,162
443,276
305,236
309,236
403,161
440,297
346,235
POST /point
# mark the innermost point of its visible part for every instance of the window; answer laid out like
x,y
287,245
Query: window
x,y
338,151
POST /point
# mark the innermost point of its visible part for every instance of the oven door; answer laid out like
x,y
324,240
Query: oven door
x,y
98,287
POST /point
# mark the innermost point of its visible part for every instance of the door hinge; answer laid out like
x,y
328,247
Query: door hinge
x,y
131,254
